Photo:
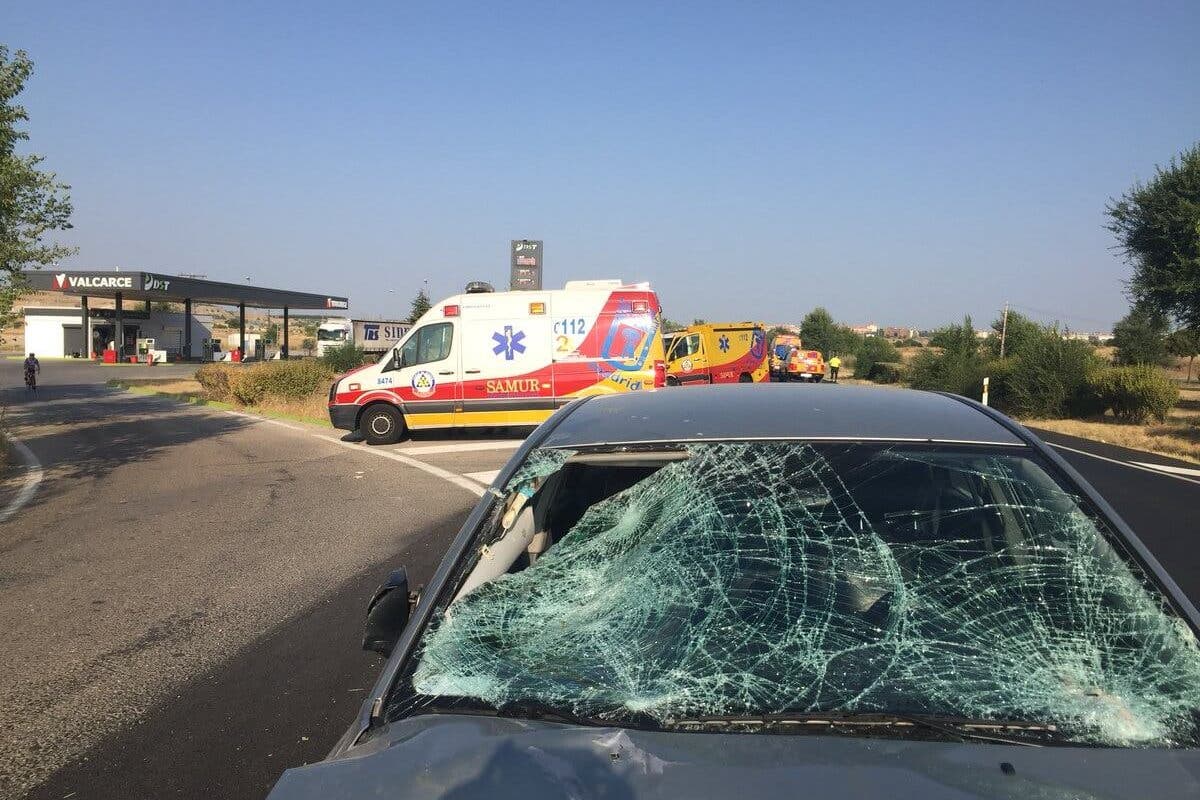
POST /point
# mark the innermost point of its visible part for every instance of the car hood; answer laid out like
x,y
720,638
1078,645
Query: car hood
x,y
452,756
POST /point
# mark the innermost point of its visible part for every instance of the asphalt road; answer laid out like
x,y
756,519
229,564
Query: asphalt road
x,y
182,599
186,589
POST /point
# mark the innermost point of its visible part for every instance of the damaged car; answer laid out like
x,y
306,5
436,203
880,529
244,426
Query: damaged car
x,y
751,590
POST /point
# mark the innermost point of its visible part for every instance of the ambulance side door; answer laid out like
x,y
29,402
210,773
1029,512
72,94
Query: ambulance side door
x,y
506,365
424,373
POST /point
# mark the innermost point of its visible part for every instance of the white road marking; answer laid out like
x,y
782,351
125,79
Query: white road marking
x,y
267,420
1130,464
458,480
33,476
486,477
462,447
1174,470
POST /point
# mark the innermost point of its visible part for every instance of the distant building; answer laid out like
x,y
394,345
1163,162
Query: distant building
x,y
984,334
892,332
786,326
1088,337
870,329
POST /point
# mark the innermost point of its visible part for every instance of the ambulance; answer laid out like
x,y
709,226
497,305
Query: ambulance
x,y
730,352
781,351
487,358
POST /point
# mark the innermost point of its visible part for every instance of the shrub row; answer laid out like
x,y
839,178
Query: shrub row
x,y
1134,394
344,358
251,384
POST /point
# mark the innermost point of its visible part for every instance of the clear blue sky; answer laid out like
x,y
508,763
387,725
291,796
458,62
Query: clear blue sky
x,y
896,162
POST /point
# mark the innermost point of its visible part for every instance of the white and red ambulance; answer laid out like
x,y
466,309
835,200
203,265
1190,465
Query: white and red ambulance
x,y
487,358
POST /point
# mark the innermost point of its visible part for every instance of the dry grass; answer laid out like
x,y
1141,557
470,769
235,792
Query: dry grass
x,y
313,409
1178,437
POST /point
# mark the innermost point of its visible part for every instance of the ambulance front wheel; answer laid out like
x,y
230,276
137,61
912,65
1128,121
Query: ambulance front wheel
x,y
381,424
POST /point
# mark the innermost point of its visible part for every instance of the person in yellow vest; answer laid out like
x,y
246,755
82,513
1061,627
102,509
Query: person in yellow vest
x,y
834,364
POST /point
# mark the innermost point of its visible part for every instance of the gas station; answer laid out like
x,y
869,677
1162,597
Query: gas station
x,y
152,287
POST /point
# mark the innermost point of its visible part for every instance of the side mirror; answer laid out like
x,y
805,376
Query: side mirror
x,y
388,613
397,359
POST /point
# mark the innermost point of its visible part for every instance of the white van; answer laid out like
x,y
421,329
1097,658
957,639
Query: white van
x,y
488,358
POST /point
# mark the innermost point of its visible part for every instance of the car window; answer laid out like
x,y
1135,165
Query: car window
x,y
686,346
428,344
774,577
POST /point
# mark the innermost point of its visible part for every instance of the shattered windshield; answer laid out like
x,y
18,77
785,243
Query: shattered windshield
x,y
773,577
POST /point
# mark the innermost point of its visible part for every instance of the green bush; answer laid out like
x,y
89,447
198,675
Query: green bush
x,y
887,372
295,380
871,351
288,380
1048,378
1135,394
954,371
344,358
252,383
247,384
214,379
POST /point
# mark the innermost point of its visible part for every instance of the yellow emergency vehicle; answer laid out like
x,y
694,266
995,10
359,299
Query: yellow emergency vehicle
x,y
724,352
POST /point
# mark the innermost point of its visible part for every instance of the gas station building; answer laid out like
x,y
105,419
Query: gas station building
x,y
92,330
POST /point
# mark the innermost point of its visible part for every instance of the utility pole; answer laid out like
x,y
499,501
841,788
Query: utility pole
x,y
1004,329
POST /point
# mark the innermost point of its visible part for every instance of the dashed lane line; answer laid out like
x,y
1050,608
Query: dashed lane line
x,y
33,477
474,487
486,477
1130,464
1165,468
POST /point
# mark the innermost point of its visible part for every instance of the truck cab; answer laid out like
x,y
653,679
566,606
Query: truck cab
x,y
730,352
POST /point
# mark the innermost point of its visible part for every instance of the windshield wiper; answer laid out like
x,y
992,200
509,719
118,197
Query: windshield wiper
x,y
961,729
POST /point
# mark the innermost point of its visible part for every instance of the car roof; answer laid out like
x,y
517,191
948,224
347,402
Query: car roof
x,y
776,411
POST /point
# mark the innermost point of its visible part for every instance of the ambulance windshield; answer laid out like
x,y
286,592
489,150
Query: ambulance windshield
x,y
776,577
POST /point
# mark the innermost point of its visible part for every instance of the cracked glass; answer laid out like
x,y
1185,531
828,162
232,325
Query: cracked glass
x,y
774,577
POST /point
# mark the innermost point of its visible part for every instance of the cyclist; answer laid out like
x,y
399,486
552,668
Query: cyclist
x,y
32,368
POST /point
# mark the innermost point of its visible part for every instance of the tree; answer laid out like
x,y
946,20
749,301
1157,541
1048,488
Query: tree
x,y
1185,343
271,334
957,339
874,350
1157,225
818,331
671,326
1141,336
420,304
32,202
1019,332
958,368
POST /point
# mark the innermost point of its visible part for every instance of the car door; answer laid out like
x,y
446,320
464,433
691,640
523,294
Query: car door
x,y
688,363
425,374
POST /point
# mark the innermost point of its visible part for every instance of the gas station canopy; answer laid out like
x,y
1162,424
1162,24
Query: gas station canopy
x,y
156,286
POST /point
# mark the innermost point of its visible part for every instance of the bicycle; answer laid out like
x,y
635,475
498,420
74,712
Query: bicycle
x,y
31,380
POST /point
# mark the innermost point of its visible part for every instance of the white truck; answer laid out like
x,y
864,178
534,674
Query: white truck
x,y
332,333
372,336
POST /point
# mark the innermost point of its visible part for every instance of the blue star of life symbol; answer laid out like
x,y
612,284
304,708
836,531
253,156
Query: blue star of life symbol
x,y
508,342
723,343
